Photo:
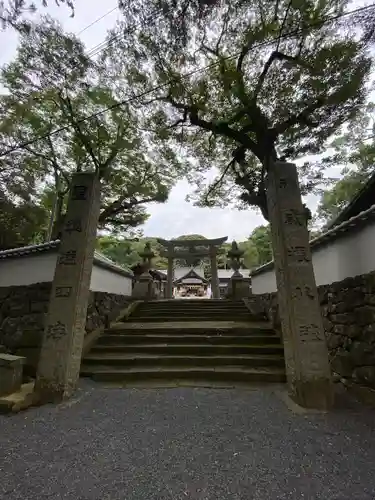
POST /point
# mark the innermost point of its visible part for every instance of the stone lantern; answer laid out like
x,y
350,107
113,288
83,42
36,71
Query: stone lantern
x,y
144,288
147,255
235,255
238,286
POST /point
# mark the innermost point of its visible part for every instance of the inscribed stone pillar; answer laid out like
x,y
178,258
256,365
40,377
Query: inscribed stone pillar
x,y
214,275
169,291
306,354
60,357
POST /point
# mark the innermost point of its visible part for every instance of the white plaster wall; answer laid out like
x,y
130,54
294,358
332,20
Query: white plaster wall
x,y
344,257
264,282
104,280
27,270
40,268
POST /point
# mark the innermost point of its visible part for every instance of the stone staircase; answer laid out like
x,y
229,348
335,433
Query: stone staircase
x,y
192,310
188,341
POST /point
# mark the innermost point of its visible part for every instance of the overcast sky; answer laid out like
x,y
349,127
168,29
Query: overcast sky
x,y
175,217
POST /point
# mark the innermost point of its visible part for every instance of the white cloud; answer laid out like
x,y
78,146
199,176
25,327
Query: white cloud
x,y
177,217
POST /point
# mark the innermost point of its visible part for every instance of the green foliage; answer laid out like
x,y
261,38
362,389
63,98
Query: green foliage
x,y
261,239
334,200
191,237
51,85
12,12
126,252
264,96
355,152
21,223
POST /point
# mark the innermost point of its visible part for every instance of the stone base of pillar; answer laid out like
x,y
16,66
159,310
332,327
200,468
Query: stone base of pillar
x,y
238,287
313,394
145,288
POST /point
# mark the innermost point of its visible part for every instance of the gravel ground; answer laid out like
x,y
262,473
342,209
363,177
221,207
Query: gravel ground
x,y
185,443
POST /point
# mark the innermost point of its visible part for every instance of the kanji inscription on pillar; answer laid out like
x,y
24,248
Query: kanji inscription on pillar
x,y
310,332
56,330
294,217
60,357
63,291
299,253
79,192
306,353
73,225
68,258
300,292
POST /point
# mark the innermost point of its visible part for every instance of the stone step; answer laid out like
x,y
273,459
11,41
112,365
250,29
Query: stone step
x,y
195,312
187,349
190,305
166,318
160,338
192,300
200,327
194,374
126,359
156,310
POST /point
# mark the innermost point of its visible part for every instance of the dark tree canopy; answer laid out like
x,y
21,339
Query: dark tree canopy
x,y
13,13
280,79
52,84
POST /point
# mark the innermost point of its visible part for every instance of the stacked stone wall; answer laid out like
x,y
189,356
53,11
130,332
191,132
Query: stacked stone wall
x,y
348,310
22,315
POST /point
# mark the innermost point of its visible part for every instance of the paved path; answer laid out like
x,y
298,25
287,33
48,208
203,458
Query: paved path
x,y
185,443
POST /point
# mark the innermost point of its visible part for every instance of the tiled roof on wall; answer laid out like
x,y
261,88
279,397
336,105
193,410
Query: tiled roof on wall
x,y
99,259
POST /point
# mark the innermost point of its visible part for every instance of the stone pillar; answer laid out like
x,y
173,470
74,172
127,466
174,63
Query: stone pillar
x,y
306,354
60,357
169,289
214,276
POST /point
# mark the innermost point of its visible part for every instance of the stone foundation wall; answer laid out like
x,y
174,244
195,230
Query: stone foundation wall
x,y
348,310
22,315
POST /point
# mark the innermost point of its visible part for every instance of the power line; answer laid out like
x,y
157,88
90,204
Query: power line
x,y
106,43
186,75
97,20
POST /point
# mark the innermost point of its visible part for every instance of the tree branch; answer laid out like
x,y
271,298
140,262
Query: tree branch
x,y
221,128
284,21
56,165
114,149
275,16
120,205
300,118
219,181
66,104
275,55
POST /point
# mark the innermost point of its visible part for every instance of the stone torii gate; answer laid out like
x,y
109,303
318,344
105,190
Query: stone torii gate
x,y
196,249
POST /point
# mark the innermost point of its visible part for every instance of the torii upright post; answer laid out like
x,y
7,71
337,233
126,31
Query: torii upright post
x,y
214,274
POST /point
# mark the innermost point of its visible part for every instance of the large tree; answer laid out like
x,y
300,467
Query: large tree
x,y
126,251
21,222
16,13
242,83
53,85
261,239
